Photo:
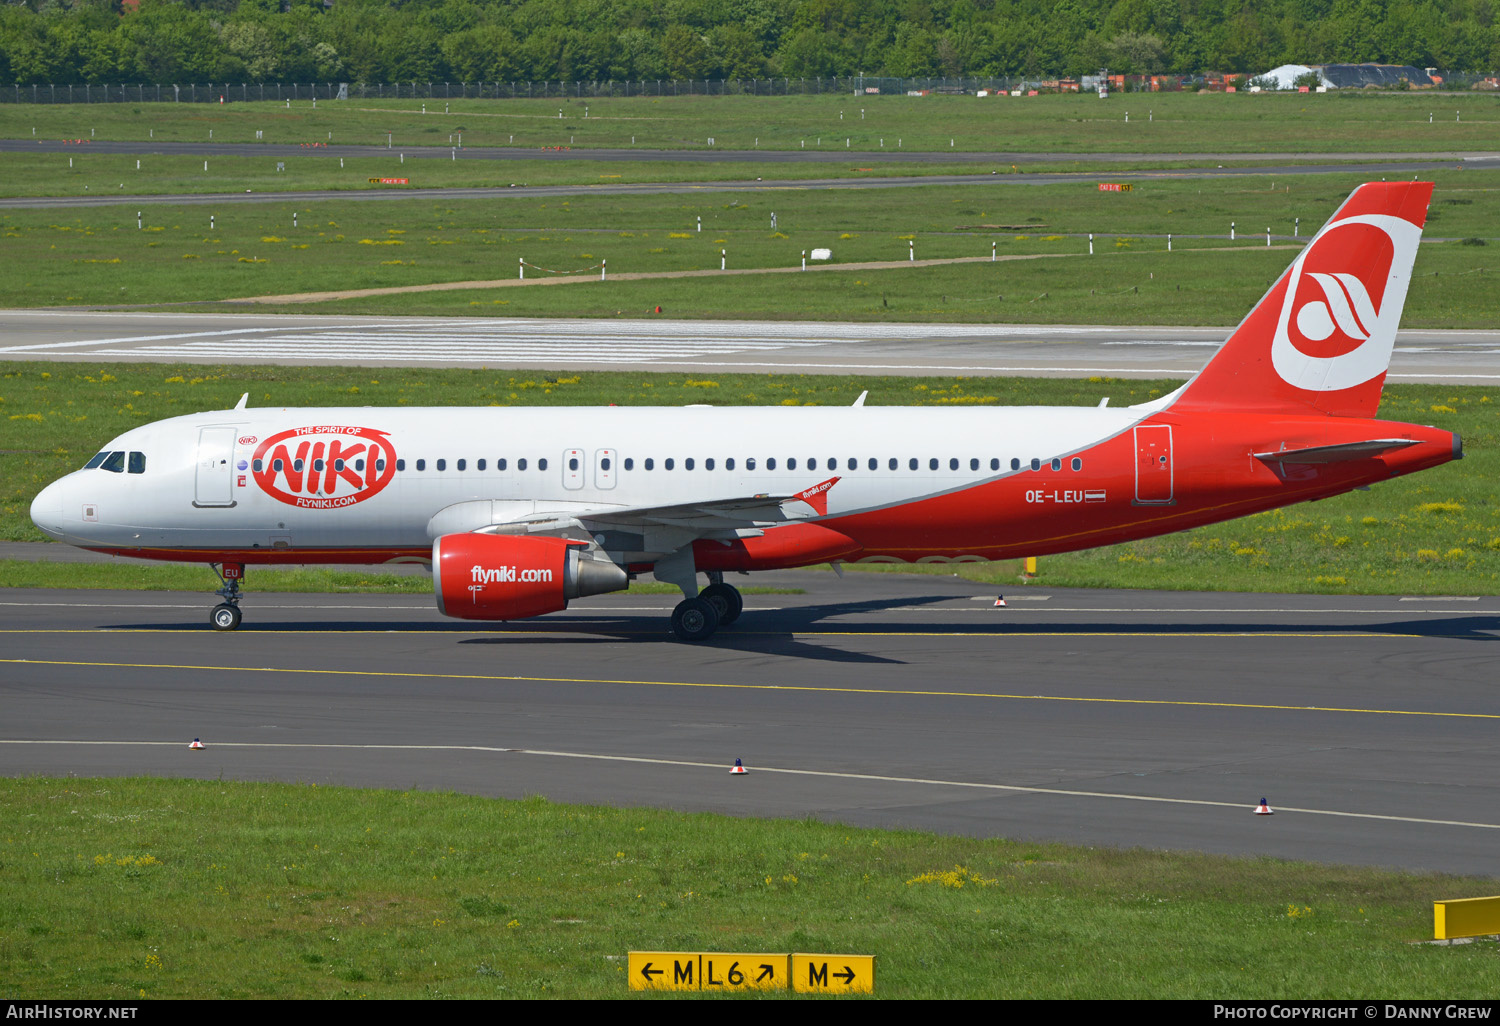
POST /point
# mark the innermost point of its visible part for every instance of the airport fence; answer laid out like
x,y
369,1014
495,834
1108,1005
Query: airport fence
x,y
243,92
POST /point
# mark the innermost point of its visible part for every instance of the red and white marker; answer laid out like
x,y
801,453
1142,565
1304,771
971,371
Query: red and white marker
x,y
1263,809
1000,601
197,745
738,767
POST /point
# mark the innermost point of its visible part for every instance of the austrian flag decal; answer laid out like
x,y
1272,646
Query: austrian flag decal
x,y
327,466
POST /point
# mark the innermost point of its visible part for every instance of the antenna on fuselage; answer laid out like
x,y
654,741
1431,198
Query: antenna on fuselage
x,y
861,400
243,400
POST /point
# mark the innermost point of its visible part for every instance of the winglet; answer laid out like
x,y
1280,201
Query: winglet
x,y
817,496
243,400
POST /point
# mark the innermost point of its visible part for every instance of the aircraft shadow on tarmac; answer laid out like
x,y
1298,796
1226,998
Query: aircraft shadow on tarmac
x,y
773,632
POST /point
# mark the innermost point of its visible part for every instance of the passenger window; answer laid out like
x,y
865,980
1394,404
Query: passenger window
x,y
338,465
932,464
833,463
874,463
708,464
603,463
894,463
650,463
729,463
359,465
258,466
953,463
913,463
1077,463
1036,464
379,466
297,465
461,464
771,463
98,459
1015,464
541,464
750,463
137,463
479,465
687,464
500,464
442,464
853,463
318,464
421,464
572,463
629,463
994,463
521,463
400,464
669,463
791,463
1056,463
973,464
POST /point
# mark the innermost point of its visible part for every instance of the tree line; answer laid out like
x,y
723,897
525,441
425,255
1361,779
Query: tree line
x,y
253,41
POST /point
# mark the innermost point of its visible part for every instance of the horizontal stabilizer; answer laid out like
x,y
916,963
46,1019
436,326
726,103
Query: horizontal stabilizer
x,y
1336,453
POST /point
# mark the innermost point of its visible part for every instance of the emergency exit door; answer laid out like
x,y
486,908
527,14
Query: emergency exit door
x,y
1153,465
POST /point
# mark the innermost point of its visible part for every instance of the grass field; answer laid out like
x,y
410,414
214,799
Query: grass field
x,y
1432,533
1160,123
97,256
135,888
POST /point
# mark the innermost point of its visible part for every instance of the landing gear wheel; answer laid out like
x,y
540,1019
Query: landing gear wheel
x,y
225,617
694,619
726,599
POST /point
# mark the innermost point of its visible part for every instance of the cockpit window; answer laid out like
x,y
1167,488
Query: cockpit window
x,y
137,463
114,463
98,459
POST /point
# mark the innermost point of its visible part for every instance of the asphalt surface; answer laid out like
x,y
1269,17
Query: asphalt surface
x,y
1114,718
1448,357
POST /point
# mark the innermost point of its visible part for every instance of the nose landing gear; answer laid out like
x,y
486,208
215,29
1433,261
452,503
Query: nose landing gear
x,y
226,615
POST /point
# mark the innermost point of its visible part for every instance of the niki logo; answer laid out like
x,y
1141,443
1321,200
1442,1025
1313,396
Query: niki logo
x,y
1343,299
326,466
505,574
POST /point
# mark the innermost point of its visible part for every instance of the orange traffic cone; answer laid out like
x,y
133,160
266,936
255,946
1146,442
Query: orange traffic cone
x,y
197,745
738,767
1000,601
1263,809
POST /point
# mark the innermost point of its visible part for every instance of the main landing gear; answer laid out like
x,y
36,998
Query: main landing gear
x,y
226,615
718,605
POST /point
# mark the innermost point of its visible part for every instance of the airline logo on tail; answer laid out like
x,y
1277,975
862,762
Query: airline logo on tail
x,y
1343,301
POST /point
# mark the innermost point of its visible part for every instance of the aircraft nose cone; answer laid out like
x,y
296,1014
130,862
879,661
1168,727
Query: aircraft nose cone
x,y
46,510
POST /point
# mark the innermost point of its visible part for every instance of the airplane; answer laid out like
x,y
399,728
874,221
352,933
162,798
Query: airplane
x,y
519,511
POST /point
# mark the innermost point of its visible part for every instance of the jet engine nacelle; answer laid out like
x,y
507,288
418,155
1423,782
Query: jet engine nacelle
x,y
506,577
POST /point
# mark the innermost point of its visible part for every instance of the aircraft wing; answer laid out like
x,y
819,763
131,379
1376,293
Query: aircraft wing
x,y
748,511
1335,453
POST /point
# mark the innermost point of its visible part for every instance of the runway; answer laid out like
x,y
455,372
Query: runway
x,y
1114,718
1448,357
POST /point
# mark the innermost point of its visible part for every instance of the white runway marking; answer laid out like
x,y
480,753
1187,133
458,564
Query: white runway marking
x,y
827,774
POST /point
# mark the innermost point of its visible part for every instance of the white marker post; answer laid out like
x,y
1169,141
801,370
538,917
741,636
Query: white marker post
x,y
294,219
1169,242
992,251
804,259
911,250
1268,238
700,222
210,222
603,269
1231,231
521,263
722,258
1091,243
1296,226
137,220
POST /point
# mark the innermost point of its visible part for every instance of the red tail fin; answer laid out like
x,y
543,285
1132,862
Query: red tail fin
x,y
1322,337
